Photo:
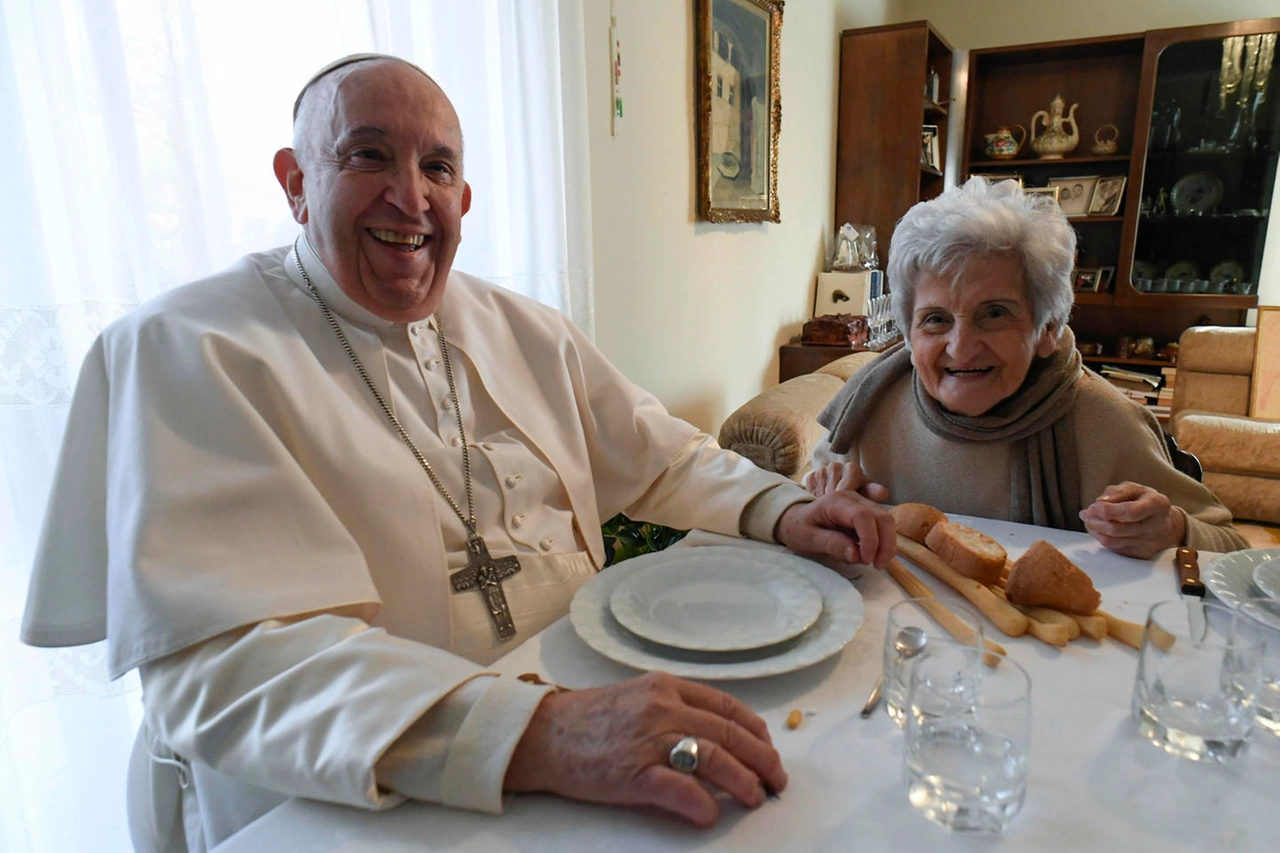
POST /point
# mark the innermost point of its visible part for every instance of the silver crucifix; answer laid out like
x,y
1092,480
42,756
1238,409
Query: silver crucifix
x,y
487,574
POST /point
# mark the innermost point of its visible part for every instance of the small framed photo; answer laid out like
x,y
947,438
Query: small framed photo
x,y
929,147
1105,275
993,177
1108,193
1075,193
1047,192
1088,279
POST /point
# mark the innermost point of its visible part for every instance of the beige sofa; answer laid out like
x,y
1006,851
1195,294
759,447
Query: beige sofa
x,y
778,428
1240,455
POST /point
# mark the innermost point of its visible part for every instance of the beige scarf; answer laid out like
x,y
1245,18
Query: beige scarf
x,y
1036,420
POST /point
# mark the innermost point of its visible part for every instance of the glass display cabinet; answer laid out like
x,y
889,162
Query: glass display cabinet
x,y
1209,170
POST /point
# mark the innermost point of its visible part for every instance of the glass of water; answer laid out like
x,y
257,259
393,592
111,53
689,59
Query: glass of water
x,y
1198,675
908,615
968,737
1266,612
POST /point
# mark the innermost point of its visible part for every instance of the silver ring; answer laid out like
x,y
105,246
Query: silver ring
x,y
684,755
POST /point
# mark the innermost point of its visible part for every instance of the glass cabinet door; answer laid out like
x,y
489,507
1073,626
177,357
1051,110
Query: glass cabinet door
x,y
1210,168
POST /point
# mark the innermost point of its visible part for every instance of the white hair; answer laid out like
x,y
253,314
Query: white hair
x,y
976,220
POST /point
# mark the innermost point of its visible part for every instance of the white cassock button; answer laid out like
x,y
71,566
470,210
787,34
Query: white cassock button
x,y
430,364
455,441
512,479
546,544
446,404
517,519
487,446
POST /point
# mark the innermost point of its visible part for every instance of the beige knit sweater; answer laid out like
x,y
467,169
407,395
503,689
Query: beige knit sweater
x,y
1117,440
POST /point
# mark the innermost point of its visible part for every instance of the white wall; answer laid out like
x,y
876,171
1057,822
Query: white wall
x,y
990,23
695,311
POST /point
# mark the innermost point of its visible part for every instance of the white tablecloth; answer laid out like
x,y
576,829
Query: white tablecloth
x,y
1093,784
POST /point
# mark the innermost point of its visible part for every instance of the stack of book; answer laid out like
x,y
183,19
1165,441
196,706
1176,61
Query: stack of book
x,y
1165,396
1144,388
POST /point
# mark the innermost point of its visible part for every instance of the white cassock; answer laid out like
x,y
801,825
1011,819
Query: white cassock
x,y
235,515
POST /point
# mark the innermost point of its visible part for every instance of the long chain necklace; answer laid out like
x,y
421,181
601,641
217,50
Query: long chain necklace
x,y
483,573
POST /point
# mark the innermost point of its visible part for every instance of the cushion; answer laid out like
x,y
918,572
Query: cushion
x,y
1211,392
846,366
778,429
1231,445
1216,349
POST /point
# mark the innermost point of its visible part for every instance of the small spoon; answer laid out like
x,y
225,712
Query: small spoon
x,y
909,643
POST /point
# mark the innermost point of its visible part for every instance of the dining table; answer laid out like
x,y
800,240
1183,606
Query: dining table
x,y
1093,782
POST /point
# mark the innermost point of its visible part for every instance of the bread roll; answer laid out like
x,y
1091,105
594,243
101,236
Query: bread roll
x,y
914,521
1044,576
972,554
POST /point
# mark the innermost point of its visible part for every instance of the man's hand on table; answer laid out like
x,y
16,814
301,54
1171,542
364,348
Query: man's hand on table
x,y
611,745
845,524
1134,520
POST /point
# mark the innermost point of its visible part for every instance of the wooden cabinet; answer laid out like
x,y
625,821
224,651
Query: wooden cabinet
x,y
1123,81
883,109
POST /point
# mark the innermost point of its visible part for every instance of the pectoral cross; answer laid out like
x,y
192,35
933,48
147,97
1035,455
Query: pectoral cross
x,y
487,574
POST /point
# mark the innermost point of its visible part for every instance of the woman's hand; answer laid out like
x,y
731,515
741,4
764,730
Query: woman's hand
x,y
841,525
611,745
843,477
1134,520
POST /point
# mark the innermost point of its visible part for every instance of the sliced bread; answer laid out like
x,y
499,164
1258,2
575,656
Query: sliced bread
x,y
972,554
914,521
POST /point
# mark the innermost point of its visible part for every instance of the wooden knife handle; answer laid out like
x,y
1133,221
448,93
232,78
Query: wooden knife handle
x,y
1188,562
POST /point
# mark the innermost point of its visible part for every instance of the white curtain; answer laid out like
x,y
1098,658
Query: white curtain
x,y
136,139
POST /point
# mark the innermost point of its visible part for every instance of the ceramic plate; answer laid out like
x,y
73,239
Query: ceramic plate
x,y
1144,269
841,615
696,601
1266,577
1230,577
1183,271
1197,192
1226,272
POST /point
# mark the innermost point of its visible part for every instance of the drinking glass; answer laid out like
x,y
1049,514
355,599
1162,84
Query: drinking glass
x,y
968,736
1266,612
1198,674
911,613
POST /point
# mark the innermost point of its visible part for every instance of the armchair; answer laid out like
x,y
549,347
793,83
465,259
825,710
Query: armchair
x,y
1240,455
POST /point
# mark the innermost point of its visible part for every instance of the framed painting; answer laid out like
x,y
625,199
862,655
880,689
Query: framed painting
x,y
1264,393
739,109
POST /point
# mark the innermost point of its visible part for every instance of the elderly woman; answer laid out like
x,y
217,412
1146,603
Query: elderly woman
x,y
985,408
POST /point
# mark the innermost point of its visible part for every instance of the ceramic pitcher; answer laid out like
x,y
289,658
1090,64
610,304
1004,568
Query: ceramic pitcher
x,y
1055,141
1003,145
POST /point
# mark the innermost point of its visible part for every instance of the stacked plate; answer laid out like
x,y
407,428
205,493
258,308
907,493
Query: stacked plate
x,y
717,612
1238,575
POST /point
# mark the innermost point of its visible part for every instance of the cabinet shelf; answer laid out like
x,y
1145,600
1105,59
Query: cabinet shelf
x,y
1087,298
1112,359
1035,161
1077,220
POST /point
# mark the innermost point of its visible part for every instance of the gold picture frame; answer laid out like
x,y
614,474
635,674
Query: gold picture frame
x,y
1264,391
1051,192
739,109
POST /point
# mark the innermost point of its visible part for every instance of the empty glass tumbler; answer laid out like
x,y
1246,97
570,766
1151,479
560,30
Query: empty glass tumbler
x,y
968,738
912,615
1197,682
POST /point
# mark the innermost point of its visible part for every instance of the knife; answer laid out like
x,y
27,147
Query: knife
x,y
1187,561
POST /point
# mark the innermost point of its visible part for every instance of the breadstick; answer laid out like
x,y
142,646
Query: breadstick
x,y
1129,633
1093,626
1053,617
1002,614
1048,630
951,623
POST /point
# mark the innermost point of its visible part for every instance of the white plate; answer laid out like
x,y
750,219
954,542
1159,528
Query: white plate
x,y
1266,577
1230,577
702,602
841,615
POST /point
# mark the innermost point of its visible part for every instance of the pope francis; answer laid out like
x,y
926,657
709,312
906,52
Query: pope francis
x,y
313,496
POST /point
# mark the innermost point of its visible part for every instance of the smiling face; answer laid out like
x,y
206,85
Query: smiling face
x,y
972,345
376,181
